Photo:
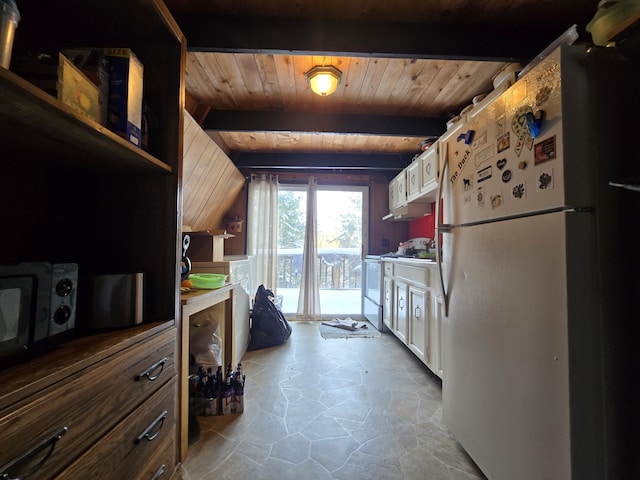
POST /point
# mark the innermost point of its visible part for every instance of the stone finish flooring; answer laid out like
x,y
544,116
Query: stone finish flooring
x,y
316,409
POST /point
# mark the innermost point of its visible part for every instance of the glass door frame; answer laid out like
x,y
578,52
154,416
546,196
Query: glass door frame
x,y
364,191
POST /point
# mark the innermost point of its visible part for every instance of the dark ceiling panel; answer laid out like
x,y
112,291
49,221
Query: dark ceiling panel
x,y
335,162
219,33
243,121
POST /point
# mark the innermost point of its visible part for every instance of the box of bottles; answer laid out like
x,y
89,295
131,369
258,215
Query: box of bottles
x,y
213,393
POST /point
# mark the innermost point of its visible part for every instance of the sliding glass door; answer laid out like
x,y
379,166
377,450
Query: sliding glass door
x,y
341,226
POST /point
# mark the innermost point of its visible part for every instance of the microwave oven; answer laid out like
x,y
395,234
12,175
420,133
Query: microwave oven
x,y
37,306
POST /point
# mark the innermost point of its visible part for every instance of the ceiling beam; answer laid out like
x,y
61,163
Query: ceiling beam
x,y
277,35
321,161
249,121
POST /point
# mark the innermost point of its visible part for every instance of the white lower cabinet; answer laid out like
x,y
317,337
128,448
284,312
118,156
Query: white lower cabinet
x,y
436,339
418,322
413,309
387,305
401,319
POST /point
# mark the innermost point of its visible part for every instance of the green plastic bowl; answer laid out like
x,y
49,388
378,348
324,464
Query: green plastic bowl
x,y
207,280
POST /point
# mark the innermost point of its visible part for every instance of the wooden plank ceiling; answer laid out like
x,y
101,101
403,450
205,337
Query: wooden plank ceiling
x,y
407,67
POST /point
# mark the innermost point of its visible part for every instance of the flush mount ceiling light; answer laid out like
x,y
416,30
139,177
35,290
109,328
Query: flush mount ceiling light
x,y
323,80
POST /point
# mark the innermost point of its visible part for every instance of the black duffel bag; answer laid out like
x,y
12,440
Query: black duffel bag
x,y
268,325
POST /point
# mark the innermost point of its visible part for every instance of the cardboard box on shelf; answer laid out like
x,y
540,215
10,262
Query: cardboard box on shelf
x,y
93,63
56,74
76,90
206,246
126,74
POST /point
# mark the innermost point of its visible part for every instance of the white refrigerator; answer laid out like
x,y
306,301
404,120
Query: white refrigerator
x,y
525,209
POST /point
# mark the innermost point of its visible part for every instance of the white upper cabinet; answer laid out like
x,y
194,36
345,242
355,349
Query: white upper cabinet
x,y
429,177
417,183
401,188
414,179
393,195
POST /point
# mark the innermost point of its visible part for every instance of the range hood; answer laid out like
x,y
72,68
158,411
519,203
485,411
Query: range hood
x,y
408,212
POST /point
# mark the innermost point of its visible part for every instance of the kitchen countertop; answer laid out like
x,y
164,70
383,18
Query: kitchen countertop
x,y
409,260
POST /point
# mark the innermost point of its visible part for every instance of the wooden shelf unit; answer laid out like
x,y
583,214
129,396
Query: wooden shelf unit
x,y
74,191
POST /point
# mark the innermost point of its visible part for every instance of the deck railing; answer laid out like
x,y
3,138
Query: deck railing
x,y
340,268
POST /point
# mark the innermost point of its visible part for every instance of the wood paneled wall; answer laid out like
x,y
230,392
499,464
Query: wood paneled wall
x,y
210,180
384,236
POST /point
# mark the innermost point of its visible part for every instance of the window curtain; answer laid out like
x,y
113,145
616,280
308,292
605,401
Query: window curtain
x,y
262,228
309,299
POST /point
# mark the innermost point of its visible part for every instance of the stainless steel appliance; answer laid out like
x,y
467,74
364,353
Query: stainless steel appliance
x,y
533,254
373,291
37,307
111,300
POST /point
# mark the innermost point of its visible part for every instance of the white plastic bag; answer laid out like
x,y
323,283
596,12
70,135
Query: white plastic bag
x,y
204,339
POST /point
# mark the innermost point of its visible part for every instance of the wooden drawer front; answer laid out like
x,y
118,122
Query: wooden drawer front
x,y
150,366
131,444
388,269
88,405
160,465
418,275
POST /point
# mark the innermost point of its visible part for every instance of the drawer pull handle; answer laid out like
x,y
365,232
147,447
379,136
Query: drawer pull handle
x,y
148,372
149,434
159,473
5,472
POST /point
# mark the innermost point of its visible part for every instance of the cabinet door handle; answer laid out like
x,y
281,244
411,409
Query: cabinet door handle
x,y
159,472
147,434
10,468
148,372
416,312
401,303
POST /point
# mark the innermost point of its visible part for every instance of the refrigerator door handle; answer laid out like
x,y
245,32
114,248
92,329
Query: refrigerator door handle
x,y
442,229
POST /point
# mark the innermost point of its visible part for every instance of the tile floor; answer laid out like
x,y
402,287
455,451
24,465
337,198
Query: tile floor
x,y
316,409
